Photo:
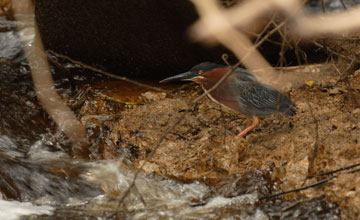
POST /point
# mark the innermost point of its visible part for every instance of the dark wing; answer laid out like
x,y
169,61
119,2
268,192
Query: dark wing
x,y
259,99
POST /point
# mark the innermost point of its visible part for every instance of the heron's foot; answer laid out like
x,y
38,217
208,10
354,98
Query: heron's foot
x,y
250,127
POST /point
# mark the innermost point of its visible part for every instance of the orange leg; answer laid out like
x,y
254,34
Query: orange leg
x,y
249,128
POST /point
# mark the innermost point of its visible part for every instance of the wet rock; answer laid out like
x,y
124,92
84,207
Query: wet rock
x,y
152,96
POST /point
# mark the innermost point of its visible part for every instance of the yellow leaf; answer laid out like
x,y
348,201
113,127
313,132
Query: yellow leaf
x,y
309,83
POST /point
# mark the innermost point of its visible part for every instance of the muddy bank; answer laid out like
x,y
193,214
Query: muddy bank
x,y
321,137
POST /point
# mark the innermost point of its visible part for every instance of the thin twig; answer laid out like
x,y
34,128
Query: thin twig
x,y
284,42
334,52
108,74
141,197
270,33
344,78
335,171
343,4
265,29
316,183
323,6
297,49
345,73
282,58
225,57
222,116
298,189
314,152
295,204
354,171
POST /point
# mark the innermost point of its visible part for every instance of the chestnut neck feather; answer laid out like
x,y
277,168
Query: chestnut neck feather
x,y
220,94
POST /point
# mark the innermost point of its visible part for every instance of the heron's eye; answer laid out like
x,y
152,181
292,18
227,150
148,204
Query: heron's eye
x,y
201,72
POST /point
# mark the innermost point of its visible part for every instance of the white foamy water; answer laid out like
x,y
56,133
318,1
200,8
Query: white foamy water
x,y
12,210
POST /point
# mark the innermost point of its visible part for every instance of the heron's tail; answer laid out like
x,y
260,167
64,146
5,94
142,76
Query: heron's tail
x,y
287,106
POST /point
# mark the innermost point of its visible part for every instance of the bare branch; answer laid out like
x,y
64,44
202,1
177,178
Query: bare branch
x,y
43,81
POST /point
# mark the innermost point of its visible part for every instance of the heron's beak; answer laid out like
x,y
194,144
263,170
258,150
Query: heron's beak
x,y
187,76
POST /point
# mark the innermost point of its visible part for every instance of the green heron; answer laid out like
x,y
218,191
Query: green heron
x,y
240,92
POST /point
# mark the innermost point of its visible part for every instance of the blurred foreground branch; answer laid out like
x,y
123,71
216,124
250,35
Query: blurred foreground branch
x,y
227,27
43,81
243,16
